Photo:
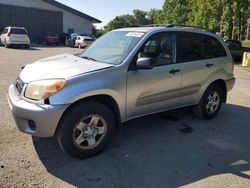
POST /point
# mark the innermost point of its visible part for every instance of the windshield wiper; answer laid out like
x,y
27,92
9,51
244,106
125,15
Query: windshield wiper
x,y
88,58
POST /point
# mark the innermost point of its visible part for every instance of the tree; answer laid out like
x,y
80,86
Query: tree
x,y
141,17
121,21
230,17
156,16
176,11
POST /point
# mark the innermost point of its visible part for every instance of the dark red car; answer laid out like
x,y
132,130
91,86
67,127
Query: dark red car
x,y
49,38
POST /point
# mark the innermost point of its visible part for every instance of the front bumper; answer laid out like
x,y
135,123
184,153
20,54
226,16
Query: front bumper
x,y
44,117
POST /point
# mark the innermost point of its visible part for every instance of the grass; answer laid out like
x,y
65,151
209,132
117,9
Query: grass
x,y
246,43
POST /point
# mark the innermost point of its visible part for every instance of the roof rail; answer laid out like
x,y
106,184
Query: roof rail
x,y
178,25
154,25
191,26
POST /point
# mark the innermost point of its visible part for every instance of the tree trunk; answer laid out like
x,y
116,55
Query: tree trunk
x,y
248,29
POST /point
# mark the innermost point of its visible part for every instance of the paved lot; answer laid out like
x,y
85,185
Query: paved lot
x,y
164,150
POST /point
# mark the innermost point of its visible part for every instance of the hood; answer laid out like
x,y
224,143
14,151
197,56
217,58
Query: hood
x,y
60,66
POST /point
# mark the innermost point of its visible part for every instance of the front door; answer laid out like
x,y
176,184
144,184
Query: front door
x,y
155,89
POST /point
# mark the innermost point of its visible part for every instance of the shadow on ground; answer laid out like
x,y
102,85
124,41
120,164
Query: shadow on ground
x,y
171,149
35,45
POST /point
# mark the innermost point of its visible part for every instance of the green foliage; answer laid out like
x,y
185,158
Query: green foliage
x,y
122,21
176,11
226,16
156,16
246,43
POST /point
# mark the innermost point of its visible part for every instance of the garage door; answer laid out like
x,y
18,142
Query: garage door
x,y
36,21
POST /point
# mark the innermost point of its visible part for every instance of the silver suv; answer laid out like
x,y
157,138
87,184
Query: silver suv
x,y
125,74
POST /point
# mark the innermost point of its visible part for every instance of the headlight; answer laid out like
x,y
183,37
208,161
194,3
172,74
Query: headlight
x,y
43,89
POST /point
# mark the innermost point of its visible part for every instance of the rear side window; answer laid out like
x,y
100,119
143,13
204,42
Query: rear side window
x,y
195,47
18,31
217,48
88,40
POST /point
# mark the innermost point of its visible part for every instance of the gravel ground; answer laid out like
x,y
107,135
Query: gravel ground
x,y
171,149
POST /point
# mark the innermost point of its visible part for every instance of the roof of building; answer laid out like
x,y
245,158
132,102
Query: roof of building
x,y
71,10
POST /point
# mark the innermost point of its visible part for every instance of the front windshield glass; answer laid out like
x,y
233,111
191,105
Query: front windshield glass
x,y
113,47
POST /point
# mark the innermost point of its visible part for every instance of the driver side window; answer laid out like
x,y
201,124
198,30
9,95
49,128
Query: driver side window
x,y
161,48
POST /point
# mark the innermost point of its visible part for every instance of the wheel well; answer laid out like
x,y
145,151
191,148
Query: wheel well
x,y
104,99
222,85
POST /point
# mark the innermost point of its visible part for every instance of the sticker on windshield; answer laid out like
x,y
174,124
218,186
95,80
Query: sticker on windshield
x,y
134,34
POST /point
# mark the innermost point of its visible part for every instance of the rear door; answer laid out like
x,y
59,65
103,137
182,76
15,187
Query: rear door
x,y
201,56
18,35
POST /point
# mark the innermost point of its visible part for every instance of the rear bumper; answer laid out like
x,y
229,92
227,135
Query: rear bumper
x,y
230,83
11,42
26,115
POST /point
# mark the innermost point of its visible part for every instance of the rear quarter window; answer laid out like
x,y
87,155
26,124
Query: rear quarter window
x,y
217,48
195,47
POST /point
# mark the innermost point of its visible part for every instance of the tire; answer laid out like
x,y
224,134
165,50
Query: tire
x,y
210,103
27,46
85,130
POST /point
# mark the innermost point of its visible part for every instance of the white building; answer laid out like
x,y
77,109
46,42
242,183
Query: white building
x,y
40,16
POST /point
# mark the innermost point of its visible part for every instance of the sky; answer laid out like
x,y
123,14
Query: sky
x,y
106,10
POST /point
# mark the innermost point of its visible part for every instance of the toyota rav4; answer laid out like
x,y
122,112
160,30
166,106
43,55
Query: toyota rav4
x,y
125,74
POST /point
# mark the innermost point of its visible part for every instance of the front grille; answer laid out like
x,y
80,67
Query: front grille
x,y
19,86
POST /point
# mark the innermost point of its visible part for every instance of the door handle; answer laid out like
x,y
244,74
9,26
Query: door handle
x,y
174,71
209,65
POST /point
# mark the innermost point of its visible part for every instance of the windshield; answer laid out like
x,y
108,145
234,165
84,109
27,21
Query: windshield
x,y
113,47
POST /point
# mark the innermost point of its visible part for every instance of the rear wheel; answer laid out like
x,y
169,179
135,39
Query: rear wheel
x,y
86,129
210,103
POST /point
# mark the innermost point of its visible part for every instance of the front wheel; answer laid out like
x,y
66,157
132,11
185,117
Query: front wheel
x,y
210,103
86,129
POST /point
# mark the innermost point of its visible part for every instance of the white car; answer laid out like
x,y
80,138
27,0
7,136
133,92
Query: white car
x,y
83,41
15,36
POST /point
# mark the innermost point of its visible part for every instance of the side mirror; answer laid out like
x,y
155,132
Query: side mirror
x,y
144,63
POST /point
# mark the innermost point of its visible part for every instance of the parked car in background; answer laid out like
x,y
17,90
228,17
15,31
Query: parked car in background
x,y
127,73
63,37
71,39
48,39
236,49
15,36
89,35
83,41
